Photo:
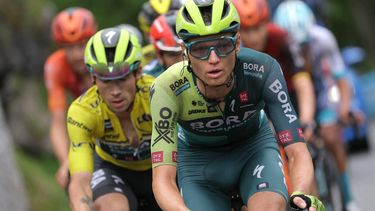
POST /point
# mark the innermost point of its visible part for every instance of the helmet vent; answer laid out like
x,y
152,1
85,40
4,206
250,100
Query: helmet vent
x,y
92,52
129,50
187,16
110,54
225,10
206,14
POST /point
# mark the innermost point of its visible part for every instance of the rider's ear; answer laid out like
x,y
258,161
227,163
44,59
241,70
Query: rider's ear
x,y
238,42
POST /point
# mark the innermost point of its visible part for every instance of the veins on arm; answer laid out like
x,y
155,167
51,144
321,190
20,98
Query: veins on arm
x,y
88,201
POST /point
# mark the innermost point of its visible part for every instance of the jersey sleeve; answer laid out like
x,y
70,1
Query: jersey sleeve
x,y
164,112
55,90
80,124
279,107
335,60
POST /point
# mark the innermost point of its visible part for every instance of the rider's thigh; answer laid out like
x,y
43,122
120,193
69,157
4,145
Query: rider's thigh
x,y
111,201
266,200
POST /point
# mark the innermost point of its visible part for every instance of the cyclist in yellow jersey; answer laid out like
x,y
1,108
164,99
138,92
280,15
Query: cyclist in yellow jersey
x,y
109,128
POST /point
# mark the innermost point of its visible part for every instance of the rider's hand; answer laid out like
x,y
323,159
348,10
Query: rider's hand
x,y
62,175
299,202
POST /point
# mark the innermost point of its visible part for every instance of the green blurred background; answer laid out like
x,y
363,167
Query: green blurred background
x,y
25,44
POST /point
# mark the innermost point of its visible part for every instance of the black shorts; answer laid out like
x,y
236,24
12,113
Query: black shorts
x,y
135,185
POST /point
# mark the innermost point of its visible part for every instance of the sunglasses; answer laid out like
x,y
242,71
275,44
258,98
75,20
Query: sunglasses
x,y
201,49
113,72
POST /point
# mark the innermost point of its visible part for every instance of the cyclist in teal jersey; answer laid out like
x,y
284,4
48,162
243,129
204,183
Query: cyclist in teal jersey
x,y
332,89
217,96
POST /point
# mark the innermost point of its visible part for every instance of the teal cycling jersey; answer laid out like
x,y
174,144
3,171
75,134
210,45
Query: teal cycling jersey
x,y
259,86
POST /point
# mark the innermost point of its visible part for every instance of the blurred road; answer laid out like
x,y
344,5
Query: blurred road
x,y
362,174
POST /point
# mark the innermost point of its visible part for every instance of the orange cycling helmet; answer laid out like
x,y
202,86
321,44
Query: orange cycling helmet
x,y
74,24
252,12
163,35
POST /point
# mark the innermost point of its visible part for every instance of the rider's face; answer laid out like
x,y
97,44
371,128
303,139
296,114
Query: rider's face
x,y
74,54
255,37
168,58
216,69
118,94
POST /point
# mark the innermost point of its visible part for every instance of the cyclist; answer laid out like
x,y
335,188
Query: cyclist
x,y
224,141
323,59
64,72
166,43
109,127
151,9
261,35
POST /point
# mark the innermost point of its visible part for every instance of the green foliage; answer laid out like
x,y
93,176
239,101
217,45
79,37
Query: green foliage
x,y
108,13
42,189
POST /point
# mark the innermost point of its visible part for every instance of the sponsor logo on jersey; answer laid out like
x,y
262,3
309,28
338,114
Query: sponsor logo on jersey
x,y
95,104
157,157
144,118
285,136
262,185
300,132
244,97
254,70
282,97
214,125
174,156
82,144
163,126
78,124
179,86
196,111
197,103
108,125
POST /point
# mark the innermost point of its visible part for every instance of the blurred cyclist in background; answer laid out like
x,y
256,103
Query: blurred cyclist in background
x,y
322,57
261,35
166,43
65,73
109,127
150,11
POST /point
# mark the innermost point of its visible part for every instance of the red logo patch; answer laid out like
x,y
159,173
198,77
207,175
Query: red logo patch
x,y
174,156
285,136
244,97
300,132
157,157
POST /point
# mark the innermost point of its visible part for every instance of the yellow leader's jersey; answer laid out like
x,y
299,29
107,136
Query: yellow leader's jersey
x,y
93,126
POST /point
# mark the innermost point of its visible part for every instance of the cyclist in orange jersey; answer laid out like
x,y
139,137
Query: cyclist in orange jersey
x,y
64,72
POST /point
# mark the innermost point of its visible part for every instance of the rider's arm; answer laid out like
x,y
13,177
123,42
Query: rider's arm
x,y
288,131
165,188
81,127
80,193
305,96
300,167
60,144
57,107
164,146
345,98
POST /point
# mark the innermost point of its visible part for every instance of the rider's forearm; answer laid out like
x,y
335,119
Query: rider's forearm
x,y
305,97
167,194
300,167
80,193
59,137
345,94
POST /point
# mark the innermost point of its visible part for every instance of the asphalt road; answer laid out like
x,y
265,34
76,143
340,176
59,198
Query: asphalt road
x,y
362,174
